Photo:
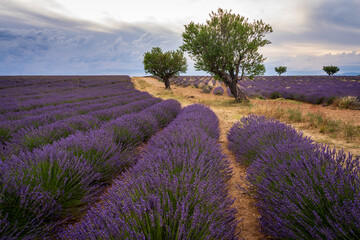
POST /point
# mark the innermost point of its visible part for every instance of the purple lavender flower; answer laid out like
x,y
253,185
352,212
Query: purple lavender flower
x,y
303,190
218,91
252,134
176,191
99,150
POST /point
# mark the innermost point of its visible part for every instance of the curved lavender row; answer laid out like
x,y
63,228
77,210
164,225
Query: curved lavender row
x,y
176,191
11,104
30,138
74,105
59,98
9,128
65,176
304,190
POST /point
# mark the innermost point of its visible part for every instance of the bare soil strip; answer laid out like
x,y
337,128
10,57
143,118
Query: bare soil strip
x,y
249,227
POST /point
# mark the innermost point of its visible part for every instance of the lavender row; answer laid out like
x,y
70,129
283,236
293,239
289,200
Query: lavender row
x,y
37,92
58,99
45,189
177,190
312,89
34,137
34,121
68,106
55,98
303,190
21,81
29,84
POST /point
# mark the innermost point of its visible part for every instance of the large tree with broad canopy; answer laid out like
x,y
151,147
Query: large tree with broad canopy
x,y
227,47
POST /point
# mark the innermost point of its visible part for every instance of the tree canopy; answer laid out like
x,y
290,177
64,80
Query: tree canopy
x,y
280,70
164,64
227,47
331,70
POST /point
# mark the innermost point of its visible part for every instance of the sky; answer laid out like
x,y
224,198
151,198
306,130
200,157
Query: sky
x,y
106,37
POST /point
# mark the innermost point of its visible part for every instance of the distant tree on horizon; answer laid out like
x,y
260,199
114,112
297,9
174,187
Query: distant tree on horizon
x,y
164,65
331,70
226,46
280,70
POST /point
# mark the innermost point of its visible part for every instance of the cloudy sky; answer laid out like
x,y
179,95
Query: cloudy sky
x,y
111,36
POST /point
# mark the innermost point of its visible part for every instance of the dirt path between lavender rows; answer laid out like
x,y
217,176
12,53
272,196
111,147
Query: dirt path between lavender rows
x,y
228,113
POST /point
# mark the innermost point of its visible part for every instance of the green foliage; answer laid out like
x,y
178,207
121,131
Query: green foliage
x,y
275,95
227,46
280,70
64,184
207,89
331,70
164,64
5,134
127,135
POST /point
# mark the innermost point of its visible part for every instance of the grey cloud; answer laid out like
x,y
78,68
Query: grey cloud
x,y
15,14
332,22
339,13
61,51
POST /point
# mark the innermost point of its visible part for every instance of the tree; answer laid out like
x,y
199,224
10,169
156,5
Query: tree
x,y
280,70
164,65
331,70
226,46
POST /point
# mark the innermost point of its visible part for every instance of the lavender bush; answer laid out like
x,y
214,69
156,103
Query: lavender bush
x,y
303,190
252,135
164,112
42,187
218,91
99,150
176,191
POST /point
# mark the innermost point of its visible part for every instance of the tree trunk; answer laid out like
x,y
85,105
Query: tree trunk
x,y
167,83
235,90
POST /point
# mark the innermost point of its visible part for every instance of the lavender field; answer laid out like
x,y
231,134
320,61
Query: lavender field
x,y
311,89
67,140
63,140
91,157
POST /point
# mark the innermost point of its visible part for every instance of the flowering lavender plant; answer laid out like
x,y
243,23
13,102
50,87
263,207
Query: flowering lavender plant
x,y
253,134
99,150
176,191
40,188
303,190
218,91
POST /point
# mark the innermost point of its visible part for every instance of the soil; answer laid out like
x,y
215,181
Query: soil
x,y
229,112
